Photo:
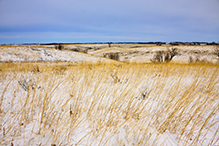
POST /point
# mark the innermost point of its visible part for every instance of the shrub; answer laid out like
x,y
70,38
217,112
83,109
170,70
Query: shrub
x,y
114,56
59,47
80,49
216,51
164,56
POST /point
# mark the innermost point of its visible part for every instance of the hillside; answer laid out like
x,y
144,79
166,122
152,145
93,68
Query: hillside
x,y
129,53
101,94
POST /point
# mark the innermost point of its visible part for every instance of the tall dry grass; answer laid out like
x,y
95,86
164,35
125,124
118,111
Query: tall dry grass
x,y
109,104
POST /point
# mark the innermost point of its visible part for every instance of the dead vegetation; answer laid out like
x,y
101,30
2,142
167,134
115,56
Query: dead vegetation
x,y
164,56
216,51
109,104
114,56
135,53
59,47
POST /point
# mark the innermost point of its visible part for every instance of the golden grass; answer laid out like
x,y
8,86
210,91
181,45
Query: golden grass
x,y
108,104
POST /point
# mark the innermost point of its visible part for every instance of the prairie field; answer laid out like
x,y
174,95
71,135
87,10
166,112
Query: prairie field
x,y
109,104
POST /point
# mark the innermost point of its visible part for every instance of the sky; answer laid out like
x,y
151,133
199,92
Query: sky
x,y
85,21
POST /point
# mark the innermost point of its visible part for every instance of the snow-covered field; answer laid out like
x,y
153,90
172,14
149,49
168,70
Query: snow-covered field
x,y
131,53
42,54
111,104
173,54
72,98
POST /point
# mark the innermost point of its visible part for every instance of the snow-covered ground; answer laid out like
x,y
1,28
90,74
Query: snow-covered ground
x,y
147,104
133,53
39,54
147,54
63,97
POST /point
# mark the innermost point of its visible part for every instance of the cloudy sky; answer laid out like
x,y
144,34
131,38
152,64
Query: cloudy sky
x,y
46,21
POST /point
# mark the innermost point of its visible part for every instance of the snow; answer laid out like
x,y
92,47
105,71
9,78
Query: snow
x,y
29,54
147,88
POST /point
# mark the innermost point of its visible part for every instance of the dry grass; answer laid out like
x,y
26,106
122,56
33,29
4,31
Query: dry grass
x,y
109,104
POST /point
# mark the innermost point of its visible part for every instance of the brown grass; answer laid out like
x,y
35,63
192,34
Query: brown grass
x,y
109,104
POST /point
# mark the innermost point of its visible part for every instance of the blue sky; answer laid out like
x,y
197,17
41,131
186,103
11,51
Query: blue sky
x,y
46,21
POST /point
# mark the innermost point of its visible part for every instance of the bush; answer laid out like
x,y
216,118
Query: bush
x,y
59,47
216,51
164,56
114,56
